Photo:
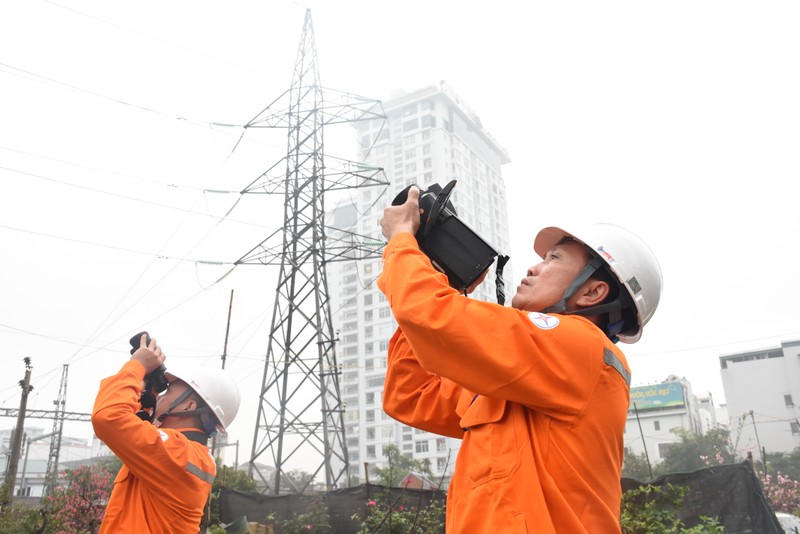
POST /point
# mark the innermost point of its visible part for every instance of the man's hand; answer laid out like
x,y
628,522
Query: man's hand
x,y
150,356
403,218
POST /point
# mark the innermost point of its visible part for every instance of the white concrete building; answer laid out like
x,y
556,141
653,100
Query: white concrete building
x,y
658,409
430,136
762,388
35,453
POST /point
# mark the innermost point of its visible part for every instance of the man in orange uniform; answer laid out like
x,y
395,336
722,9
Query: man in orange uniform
x,y
167,474
538,392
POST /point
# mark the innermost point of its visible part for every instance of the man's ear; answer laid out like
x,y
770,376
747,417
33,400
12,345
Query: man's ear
x,y
191,404
592,293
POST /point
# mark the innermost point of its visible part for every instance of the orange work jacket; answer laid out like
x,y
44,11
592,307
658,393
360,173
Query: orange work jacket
x,y
540,402
166,478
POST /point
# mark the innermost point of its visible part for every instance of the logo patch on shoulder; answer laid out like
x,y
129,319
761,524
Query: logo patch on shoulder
x,y
164,436
543,321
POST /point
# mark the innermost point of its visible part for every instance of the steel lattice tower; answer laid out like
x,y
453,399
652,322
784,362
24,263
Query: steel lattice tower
x,y
51,477
300,416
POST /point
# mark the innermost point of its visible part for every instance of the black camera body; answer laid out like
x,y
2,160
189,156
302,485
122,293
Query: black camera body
x,y
155,380
452,246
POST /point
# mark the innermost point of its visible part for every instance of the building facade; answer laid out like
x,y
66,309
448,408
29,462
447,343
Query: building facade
x,y
656,410
430,136
761,389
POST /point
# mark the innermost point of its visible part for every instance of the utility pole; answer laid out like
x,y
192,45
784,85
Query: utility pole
x,y
644,443
758,442
13,462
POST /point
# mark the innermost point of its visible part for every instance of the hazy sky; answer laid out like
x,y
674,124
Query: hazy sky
x,y
119,164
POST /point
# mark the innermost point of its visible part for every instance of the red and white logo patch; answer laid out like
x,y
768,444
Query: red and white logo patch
x,y
543,321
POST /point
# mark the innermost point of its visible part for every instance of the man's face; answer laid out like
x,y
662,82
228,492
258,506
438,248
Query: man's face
x,y
545,282
176,387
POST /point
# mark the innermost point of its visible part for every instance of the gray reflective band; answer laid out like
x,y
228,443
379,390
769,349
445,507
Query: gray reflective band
x,y
199,473
611,359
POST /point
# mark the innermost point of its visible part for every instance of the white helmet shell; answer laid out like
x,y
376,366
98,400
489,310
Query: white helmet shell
x,y
627,257
215,387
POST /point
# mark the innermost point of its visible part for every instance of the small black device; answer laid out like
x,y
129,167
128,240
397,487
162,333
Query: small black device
x,y
155,382
452,246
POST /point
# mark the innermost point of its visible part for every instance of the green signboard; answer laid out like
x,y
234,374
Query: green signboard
x,y
659,396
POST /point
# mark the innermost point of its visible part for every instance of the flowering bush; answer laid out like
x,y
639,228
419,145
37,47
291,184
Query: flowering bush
x,y
387,517
782,492
313,521
79,506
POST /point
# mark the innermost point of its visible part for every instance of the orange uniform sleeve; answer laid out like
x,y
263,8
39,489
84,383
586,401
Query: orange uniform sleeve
x,y
419,398
486,348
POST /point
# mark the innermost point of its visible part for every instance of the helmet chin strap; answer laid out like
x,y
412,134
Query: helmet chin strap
x,y
587,271
613,309
206,419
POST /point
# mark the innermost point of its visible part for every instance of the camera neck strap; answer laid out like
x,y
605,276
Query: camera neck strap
x,y
498,281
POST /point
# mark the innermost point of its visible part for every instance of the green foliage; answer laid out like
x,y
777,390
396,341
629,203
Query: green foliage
x,y
386,517
788,464
19,519
314,520
649,509
635,467
695,452
400,466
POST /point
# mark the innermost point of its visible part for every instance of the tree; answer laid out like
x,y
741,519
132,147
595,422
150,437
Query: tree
x,y
787,464
695,451
400,466
635,466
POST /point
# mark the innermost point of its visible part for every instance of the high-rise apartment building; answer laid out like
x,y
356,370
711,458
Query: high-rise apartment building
x,y
429,136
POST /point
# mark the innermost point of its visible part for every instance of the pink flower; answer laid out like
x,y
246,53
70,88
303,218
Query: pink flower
x,y
371,502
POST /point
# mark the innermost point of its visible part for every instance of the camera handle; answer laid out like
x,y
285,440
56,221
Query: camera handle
x,y
438,205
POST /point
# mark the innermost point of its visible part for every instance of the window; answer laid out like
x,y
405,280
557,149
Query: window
x,y
370,397
656,425
441,445
421,446
795,428
787,399
413,124
441,463
370,433
662,449
370,416
370,451
367,299
369,364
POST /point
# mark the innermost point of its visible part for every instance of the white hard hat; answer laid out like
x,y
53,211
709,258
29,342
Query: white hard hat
x,y
627,257
215,386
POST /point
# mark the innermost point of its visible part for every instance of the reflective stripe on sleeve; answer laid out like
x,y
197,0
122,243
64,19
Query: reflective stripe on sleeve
x,y
199,473
611,359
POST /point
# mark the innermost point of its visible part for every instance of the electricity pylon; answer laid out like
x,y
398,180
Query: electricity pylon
x,y
51,477
301,415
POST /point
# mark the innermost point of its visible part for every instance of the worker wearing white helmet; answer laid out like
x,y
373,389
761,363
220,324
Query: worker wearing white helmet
x,y
538,392
167,470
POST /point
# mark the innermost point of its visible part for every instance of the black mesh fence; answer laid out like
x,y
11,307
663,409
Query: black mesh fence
x,y
342,504
730,493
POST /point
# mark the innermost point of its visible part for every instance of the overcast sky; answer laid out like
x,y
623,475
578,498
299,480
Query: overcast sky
x,y
119,125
